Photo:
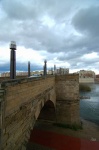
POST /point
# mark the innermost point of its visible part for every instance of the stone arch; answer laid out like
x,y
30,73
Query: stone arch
x,y
48,111
44,101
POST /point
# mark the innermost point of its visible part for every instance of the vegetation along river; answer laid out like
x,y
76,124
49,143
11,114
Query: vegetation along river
x,y
89,108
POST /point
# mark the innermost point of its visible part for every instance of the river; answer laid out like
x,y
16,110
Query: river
x,y
89,108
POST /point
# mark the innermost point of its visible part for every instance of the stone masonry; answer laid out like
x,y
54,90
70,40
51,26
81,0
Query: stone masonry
x,y
21,105
67,96
21,101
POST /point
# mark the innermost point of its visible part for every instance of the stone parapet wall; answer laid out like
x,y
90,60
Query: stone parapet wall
x,y
8,78
71,77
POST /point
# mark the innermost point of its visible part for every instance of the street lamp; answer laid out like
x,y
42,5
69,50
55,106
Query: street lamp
x,y
28,68
45,68
13,60
54,69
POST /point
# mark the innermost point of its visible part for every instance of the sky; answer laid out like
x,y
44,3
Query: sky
x,y
63,32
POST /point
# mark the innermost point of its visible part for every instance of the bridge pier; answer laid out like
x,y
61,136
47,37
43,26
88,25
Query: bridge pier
x,y
67,99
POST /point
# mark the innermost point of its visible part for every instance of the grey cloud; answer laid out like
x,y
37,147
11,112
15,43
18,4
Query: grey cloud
x,y
33,33
33,9
20,10
20,66
24,66
23,22
86,44
87,20
4,67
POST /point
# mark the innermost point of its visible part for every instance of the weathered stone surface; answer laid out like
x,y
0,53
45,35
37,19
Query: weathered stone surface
x,y
67,99
23,100
23,147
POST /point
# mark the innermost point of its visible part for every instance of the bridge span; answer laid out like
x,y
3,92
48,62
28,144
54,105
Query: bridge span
x,y
21,101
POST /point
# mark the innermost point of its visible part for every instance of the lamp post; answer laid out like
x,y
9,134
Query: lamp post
x,y
54,69
13,60
45,68
28,68
51,71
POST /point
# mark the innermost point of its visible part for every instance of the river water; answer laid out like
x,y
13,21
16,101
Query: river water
x,y
89,108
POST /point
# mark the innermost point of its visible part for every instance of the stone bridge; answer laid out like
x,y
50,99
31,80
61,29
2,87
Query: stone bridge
x,y
22,100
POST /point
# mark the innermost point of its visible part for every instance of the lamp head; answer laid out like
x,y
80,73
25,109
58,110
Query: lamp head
x,y
13,45
45,61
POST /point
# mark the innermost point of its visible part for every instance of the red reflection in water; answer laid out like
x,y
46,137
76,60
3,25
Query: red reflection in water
x,y
61,142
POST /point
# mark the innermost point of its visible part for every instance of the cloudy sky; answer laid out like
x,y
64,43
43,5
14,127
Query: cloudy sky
x,y
64,32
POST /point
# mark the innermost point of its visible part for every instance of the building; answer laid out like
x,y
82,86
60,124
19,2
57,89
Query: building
x,y
86,76
62,71
97,78
5,74
50,72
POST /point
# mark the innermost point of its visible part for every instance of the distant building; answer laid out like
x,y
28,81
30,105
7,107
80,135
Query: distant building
x,y
40,72
97,78
5,74
50,72
86,76
62,71
22,73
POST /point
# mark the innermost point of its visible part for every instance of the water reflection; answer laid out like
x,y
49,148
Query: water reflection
x,y
89,108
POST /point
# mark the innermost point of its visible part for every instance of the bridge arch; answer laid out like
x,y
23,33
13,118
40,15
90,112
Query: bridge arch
x,y
48,111
46,101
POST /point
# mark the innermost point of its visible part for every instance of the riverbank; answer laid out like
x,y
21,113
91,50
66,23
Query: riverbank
x,y
90,130
46,136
